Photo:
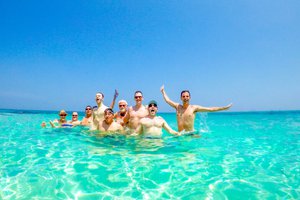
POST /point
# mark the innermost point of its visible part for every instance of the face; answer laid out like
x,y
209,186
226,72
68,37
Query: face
x,y
185,97
138,98
88,110
62,115
108,117
122,106
74,116
99,97
152,108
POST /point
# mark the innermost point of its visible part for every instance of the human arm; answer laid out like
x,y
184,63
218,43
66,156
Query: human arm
x,y
112,105
167,99
211,109
169,129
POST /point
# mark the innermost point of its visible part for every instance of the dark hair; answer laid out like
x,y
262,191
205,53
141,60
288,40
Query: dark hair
x,y
101,94
109,109
183,91
138,91
88,106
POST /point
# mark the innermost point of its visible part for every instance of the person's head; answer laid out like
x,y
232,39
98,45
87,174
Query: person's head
x,y
122,105
138,97
62,114
88,110
108,115
74,116
185,96
99,97
152,108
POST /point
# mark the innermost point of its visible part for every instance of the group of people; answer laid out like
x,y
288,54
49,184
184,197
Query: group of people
x,y
137,119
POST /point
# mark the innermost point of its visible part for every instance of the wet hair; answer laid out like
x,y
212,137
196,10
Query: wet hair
x,y
109,110
183,91
138,91
88,106
100,93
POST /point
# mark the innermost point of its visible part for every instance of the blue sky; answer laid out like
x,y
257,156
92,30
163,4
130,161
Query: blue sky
x,y
57,54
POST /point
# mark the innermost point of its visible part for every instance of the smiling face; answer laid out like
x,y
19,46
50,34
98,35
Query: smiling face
x,y
108,116
99,98
122,107
185,96
88,110
74,116
152,108
138,97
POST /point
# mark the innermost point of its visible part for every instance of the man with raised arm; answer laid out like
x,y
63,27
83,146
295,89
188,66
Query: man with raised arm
x,y
151,125
185,112
135,113
98,112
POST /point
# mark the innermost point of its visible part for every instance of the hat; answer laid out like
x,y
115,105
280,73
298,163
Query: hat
x,y
152,102
62,112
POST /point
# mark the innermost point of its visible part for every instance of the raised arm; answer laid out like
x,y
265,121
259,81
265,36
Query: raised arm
x,y
112,105
211,109
169,129
167,99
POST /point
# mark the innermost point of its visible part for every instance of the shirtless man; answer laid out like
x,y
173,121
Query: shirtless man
x,y
87,119
75,120
122,112
108,125
98,113
186,113
135,113
151,125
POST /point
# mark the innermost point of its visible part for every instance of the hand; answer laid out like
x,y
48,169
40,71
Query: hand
x,y
162,88
116,93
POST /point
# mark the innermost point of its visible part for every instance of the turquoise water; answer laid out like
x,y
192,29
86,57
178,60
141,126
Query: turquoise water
x,y
250,155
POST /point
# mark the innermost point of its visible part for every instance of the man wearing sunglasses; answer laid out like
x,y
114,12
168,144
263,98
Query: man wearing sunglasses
x,y
135,113
75,120
185,112
119,116
151,125
87,119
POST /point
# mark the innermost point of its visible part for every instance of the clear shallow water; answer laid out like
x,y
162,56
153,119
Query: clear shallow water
x,y
239,156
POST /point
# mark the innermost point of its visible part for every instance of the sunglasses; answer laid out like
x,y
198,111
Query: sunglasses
x,y
75,115
138,97
63,115
122,105
153,104
88,109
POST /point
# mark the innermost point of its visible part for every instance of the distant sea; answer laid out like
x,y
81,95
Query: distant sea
x,y
239,155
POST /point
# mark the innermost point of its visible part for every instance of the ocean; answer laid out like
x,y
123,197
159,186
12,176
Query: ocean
x,y
239,155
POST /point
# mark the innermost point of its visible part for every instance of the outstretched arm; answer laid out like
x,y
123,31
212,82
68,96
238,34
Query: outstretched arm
x,y
211,109
112,105
167,99
169,129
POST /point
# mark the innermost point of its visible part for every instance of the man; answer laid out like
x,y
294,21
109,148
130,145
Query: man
x,y
75,120
87,119
151,125
108,124
186,113
98,112
119,116
135,113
